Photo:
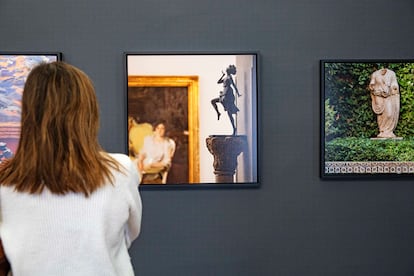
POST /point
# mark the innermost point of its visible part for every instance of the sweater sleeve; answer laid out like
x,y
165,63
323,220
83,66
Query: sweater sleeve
x,y
135,210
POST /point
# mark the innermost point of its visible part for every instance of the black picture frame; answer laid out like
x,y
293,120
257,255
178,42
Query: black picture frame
x,y
14,69
177,88
366,118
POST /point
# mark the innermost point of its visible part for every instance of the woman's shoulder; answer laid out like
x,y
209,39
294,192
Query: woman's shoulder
x,y
126,164
121,158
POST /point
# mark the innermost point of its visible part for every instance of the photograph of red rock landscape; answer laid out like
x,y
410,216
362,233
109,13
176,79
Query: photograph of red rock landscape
x,y
14,69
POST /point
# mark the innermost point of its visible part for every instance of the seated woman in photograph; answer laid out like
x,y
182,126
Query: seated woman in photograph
x,y
67,207
155,156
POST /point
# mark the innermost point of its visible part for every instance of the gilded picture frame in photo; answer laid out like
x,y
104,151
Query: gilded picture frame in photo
x,y
180,131
14,69
367,118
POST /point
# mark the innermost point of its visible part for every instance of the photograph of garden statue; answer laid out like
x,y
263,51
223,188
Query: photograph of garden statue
x,y
367,117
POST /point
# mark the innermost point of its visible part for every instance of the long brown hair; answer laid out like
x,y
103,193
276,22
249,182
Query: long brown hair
x,y
58,147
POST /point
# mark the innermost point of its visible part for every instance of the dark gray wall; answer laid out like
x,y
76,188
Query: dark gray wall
x,y
295,224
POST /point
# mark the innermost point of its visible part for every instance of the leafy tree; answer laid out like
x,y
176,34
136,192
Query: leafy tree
x,y
330,127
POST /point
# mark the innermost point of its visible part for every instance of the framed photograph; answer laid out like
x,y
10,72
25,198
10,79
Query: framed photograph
x,y
192,118
367,118
14,69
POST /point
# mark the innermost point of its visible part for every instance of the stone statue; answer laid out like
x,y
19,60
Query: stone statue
x,y
226,97
385,96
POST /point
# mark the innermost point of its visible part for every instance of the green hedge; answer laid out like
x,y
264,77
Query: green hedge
x,y
365,149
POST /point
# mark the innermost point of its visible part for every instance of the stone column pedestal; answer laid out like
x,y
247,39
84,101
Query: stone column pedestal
x,y
225,149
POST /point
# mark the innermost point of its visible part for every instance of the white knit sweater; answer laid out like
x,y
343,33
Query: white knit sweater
x,y
52,235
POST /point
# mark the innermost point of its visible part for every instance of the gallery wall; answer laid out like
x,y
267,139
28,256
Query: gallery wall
x,y
295,223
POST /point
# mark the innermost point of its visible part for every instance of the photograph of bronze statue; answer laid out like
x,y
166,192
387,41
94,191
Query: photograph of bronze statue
x,y
367,118
189,126
226,96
